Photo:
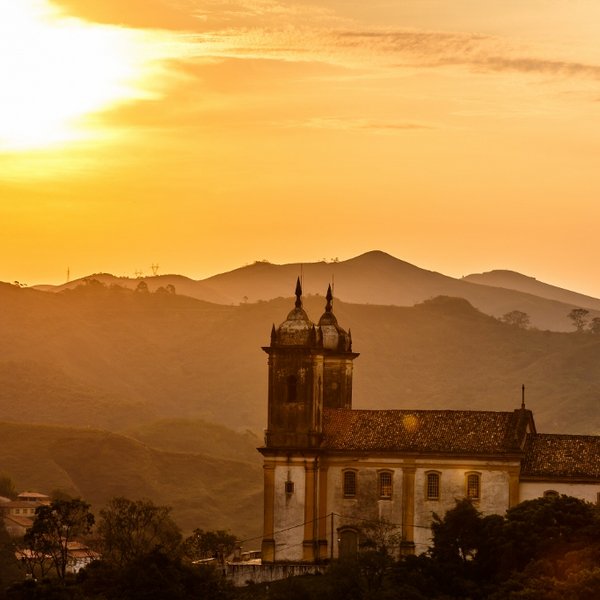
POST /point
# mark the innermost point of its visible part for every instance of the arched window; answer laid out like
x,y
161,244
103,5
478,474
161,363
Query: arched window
x,y
349,484
348,543
432,486
473,486
292,383
384,484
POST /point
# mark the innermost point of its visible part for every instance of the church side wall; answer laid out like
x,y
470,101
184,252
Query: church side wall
x,y
366,506
494,496
529,490
416,522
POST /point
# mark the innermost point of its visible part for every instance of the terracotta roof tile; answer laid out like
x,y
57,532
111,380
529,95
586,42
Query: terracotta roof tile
x,y
21,521
424,431
557,456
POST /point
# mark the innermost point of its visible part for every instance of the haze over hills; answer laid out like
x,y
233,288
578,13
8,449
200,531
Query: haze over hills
x,y
113,358
530,285
177,382
374,278
203,490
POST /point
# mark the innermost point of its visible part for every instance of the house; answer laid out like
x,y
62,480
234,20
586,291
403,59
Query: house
x,y
19,514
330,470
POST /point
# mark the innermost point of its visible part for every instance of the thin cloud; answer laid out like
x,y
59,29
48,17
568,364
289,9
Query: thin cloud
x,y
350,124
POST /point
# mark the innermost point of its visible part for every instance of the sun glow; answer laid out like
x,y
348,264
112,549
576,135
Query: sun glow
x,y
55,70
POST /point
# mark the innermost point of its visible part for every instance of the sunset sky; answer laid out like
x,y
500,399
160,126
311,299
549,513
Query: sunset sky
x,y
458,135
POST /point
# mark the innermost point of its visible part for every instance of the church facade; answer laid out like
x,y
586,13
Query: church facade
x,y
331,472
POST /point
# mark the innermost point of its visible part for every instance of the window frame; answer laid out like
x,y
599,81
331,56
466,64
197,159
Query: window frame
x,y
349,483
438,478
472,476
388,485
291,383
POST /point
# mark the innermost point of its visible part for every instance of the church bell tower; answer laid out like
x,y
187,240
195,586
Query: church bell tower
x,y
310,368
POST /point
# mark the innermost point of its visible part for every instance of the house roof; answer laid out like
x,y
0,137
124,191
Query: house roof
x,y
556,456
18,520
21,504
35,495
426,431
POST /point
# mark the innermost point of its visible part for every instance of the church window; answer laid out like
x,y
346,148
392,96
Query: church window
x,y
385,484
292,394
551,494
349,484
432,489
473,486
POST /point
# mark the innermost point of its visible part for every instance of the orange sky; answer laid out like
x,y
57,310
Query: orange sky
x,y
460,136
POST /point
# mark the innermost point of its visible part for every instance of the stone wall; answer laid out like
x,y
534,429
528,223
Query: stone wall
x,y
241,574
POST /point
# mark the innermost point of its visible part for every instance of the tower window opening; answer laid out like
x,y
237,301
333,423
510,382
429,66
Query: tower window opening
x,y
289,487
292,388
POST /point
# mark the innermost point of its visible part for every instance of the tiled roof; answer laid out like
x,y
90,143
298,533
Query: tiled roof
x,y
425,431
35,495
557,456
21,504
21,521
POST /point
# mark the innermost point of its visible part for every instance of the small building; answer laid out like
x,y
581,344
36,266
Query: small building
x,y
330,471
19,514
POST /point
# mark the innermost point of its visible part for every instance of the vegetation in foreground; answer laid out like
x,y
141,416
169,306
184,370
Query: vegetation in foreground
x,y
543,549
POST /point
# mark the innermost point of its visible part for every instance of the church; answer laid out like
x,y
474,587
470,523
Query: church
x,y
331,470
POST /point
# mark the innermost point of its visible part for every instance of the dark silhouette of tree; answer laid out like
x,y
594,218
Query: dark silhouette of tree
x,y
9,566
595,326
155,576
7,487
516,318
209,544
579,318
132,529
55,526
142,288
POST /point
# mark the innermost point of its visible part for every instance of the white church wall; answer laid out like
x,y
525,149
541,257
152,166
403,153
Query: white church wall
x,y
529,490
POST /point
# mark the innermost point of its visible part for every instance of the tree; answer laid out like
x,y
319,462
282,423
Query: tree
x,y
516,318
209,544
55,526
595,326
131,530
456,536
142,287
7,487
9,566
579,318
547,526
155,576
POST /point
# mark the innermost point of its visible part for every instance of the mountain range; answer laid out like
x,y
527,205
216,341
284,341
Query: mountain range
x,y
111,387
375,278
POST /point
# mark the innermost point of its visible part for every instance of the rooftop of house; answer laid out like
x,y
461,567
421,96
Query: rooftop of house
x,y
427,431
552,456
33,496
21,521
